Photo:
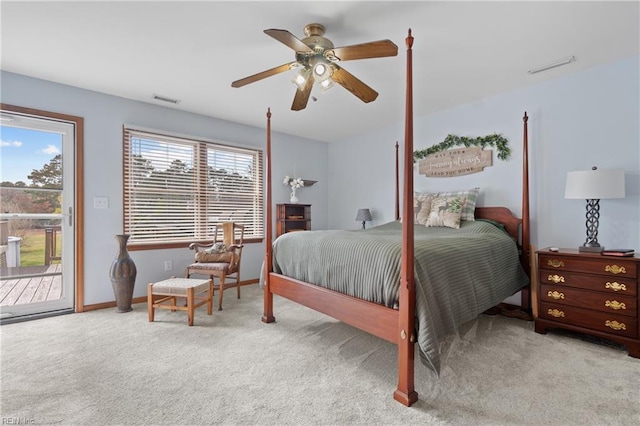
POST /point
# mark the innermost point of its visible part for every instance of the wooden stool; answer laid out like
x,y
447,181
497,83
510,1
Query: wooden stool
x,y
180,287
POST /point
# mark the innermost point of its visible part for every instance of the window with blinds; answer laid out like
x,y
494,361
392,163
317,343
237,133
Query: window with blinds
x,y
176,189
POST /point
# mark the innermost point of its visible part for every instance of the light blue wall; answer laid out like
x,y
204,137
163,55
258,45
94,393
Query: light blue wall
x,y
104,116
588,118
577,121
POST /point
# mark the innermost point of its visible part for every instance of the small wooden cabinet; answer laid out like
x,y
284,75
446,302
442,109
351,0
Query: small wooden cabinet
x,y
589,293
292,217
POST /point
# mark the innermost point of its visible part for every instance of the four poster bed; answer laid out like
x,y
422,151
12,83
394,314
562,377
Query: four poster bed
x,y
368,278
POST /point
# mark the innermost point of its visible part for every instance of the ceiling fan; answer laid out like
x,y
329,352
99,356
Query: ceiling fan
x,y
318,59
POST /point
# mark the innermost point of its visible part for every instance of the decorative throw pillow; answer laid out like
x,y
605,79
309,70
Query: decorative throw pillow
x,y
446,211
421,207
218,253
218,248
469,207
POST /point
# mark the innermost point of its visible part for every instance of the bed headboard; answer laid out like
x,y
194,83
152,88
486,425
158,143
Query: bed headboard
x,y
502,215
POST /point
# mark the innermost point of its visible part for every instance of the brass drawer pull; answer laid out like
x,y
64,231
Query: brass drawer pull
x,y
614,304
615,269
555,295
555,313
615,286
556,278
615,325
556,263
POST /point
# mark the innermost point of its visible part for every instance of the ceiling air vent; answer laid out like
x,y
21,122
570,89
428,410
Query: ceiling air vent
x,y
165,99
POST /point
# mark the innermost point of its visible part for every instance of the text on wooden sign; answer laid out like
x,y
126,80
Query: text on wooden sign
x,y
455,162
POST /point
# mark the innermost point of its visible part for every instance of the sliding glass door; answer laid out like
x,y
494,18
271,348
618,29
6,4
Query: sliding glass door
x,y
37,224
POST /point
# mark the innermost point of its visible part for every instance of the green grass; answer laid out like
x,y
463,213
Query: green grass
x,y
32,248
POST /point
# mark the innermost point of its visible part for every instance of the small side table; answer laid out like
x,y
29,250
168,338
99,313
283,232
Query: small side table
x,y
172,288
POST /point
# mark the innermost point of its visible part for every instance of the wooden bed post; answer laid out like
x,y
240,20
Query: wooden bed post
x,y
406,393
268,258
397,187
525,260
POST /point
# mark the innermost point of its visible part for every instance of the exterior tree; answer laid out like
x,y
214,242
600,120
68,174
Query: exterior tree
x,y
18,184
142,169
50,176
19,197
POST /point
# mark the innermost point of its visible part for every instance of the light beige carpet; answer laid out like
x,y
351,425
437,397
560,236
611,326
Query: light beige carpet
x,y
104,368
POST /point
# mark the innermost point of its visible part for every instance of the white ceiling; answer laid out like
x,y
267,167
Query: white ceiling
x,y
192,51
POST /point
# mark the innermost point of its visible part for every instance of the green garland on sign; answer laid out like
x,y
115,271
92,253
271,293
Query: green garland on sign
x,y
495,140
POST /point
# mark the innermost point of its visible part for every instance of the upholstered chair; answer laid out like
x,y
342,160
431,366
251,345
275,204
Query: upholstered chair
x,y
220,259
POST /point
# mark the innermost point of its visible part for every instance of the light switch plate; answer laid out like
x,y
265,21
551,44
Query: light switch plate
x,y
100,202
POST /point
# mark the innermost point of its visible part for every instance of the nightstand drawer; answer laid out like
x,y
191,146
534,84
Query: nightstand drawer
x,y
616,285
608,323
609,303
593,264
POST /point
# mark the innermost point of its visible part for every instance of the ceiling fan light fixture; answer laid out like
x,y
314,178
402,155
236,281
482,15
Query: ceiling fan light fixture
x,y
322,71
326,84
300,79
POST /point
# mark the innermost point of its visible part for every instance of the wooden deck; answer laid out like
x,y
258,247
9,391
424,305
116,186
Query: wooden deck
x,y
25,285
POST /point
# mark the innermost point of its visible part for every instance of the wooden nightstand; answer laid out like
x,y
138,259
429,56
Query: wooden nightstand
x,y
589,293
292,217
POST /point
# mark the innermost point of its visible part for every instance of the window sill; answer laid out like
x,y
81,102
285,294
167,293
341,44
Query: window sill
x,y
181,244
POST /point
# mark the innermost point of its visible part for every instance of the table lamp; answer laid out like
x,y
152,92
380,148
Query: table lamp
x,y
363,215
594,185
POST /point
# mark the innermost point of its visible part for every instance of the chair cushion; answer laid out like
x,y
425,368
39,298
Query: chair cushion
x,y
215,266
205,257
179,286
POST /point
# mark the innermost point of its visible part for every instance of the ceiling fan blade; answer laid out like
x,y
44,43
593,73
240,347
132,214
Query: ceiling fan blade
x,y
302,96
285,37
374,49
352,84
263,74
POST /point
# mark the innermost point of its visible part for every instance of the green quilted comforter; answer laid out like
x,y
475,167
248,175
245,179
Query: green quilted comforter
x,y
459,273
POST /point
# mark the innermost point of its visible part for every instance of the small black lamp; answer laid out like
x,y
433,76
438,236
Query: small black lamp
x,y
363,215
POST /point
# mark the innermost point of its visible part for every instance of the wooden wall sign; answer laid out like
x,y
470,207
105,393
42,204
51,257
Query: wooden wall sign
x,y
456,162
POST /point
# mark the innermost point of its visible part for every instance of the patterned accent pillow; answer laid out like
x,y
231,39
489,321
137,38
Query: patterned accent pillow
x,y
218,253
469,206
446,211
421,207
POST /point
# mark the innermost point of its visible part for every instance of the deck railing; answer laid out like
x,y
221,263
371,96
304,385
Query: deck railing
x,y
4,242
51,234
50,244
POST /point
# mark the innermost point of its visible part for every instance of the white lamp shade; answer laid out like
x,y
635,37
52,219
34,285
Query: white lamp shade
x,y
595,184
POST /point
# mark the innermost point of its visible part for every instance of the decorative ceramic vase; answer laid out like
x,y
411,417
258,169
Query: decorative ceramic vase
x,y
293,199
123,276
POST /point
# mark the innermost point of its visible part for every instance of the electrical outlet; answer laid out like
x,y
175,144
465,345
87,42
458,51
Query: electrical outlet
x,y
100,202
168,265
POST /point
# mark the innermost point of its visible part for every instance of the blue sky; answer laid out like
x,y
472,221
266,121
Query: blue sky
x,y
23,150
